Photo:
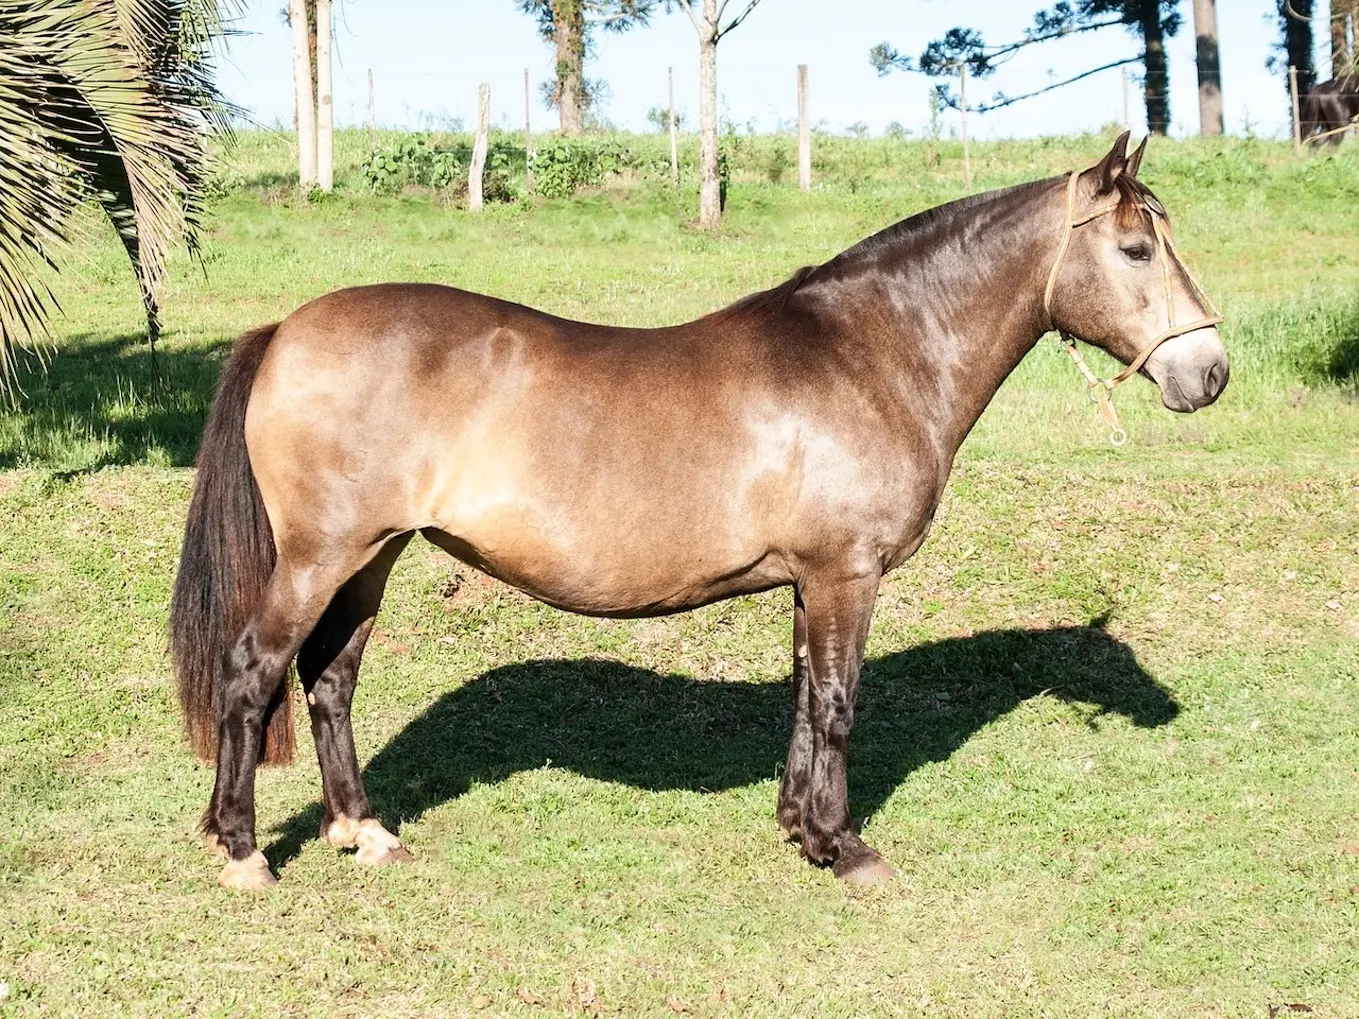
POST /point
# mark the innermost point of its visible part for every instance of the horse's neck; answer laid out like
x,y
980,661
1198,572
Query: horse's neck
x,y
953,305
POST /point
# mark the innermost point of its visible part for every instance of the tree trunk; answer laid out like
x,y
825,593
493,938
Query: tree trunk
x,y
1157,85
325,120
311,44
1296,16
306,105
1342,20
568,19
709,187
1210,74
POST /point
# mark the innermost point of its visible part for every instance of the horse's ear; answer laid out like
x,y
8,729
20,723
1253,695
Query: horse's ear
x,y
1135,160
1111,166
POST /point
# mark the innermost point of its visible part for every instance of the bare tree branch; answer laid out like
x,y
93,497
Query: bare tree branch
x,y
1002,100
692,17
1002,53
1290,12
750,6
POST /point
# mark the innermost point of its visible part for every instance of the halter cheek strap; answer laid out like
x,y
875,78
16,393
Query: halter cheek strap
x,y
1101,390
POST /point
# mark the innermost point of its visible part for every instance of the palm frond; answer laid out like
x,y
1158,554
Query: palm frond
x,y
103,100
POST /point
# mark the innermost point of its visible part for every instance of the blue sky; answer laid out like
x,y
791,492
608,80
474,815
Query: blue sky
x,y
428,56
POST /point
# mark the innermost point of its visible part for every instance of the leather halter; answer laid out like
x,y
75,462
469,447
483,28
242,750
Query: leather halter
x,y
1101,390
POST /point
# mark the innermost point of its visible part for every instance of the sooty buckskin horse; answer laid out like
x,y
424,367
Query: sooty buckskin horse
x,y
800,437
1331,107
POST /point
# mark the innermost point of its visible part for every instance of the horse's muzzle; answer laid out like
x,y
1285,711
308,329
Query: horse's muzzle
x,y
1191,370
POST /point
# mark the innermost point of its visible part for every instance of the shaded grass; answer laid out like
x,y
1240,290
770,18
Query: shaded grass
x,y
618,723
111,401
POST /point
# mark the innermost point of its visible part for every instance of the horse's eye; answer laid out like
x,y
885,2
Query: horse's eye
x,y
1137,252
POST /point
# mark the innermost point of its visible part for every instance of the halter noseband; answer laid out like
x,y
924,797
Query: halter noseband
x,y
1101,390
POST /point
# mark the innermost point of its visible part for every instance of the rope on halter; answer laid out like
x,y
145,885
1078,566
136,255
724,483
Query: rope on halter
x,y
1101,390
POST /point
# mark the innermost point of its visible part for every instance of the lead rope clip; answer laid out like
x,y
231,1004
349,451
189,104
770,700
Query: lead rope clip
x,y
1099,391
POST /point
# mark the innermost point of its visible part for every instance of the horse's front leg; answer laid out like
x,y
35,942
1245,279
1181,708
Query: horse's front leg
x,y
797,773
838,612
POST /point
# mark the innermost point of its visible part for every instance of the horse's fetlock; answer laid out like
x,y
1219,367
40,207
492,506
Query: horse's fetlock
x,y
820,845
789,813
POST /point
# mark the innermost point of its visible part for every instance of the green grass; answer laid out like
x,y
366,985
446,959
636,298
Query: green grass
x,y
1108,731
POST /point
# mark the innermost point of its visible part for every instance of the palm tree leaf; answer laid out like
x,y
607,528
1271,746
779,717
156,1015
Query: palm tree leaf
x,y
104,100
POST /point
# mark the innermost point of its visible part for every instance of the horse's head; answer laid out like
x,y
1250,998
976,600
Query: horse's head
x,y
1117,283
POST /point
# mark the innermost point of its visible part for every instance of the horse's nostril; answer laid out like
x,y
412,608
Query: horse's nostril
x,y
1215,378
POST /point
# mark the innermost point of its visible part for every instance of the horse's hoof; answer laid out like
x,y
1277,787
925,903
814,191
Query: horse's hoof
x,y
374,857
214,845
377,846
873,870
249,875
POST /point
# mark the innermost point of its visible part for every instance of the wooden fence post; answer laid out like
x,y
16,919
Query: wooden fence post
x,y
804,132
372,114
479,148
967,154
1297,120
528,140
674,146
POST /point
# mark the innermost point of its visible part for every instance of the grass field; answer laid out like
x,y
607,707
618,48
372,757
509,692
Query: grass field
x,y
1109,730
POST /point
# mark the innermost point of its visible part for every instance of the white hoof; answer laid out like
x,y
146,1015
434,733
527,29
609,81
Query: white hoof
x,y
377,847
251,874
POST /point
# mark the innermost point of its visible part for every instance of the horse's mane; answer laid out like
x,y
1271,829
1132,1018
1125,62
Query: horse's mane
x,y
892,237
774,299
1134,198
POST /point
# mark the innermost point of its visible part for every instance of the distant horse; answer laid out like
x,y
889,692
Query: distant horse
x,y
801,437
1329,107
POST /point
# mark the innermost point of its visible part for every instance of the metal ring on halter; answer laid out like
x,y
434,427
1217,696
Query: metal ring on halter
x,y
1165,246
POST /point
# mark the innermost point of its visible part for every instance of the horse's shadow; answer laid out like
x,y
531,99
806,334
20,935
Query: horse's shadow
x,y
622,724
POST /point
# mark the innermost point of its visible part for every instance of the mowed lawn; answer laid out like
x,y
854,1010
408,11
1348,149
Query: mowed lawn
x,y
1108,732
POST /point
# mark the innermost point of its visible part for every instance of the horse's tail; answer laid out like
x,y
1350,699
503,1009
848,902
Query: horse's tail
x,y
227,558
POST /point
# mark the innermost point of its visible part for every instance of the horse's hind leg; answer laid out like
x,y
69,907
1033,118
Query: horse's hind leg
x,y
256,665
328,666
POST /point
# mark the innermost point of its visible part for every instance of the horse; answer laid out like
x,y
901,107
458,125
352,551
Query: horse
x,y
1329,108
801,437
